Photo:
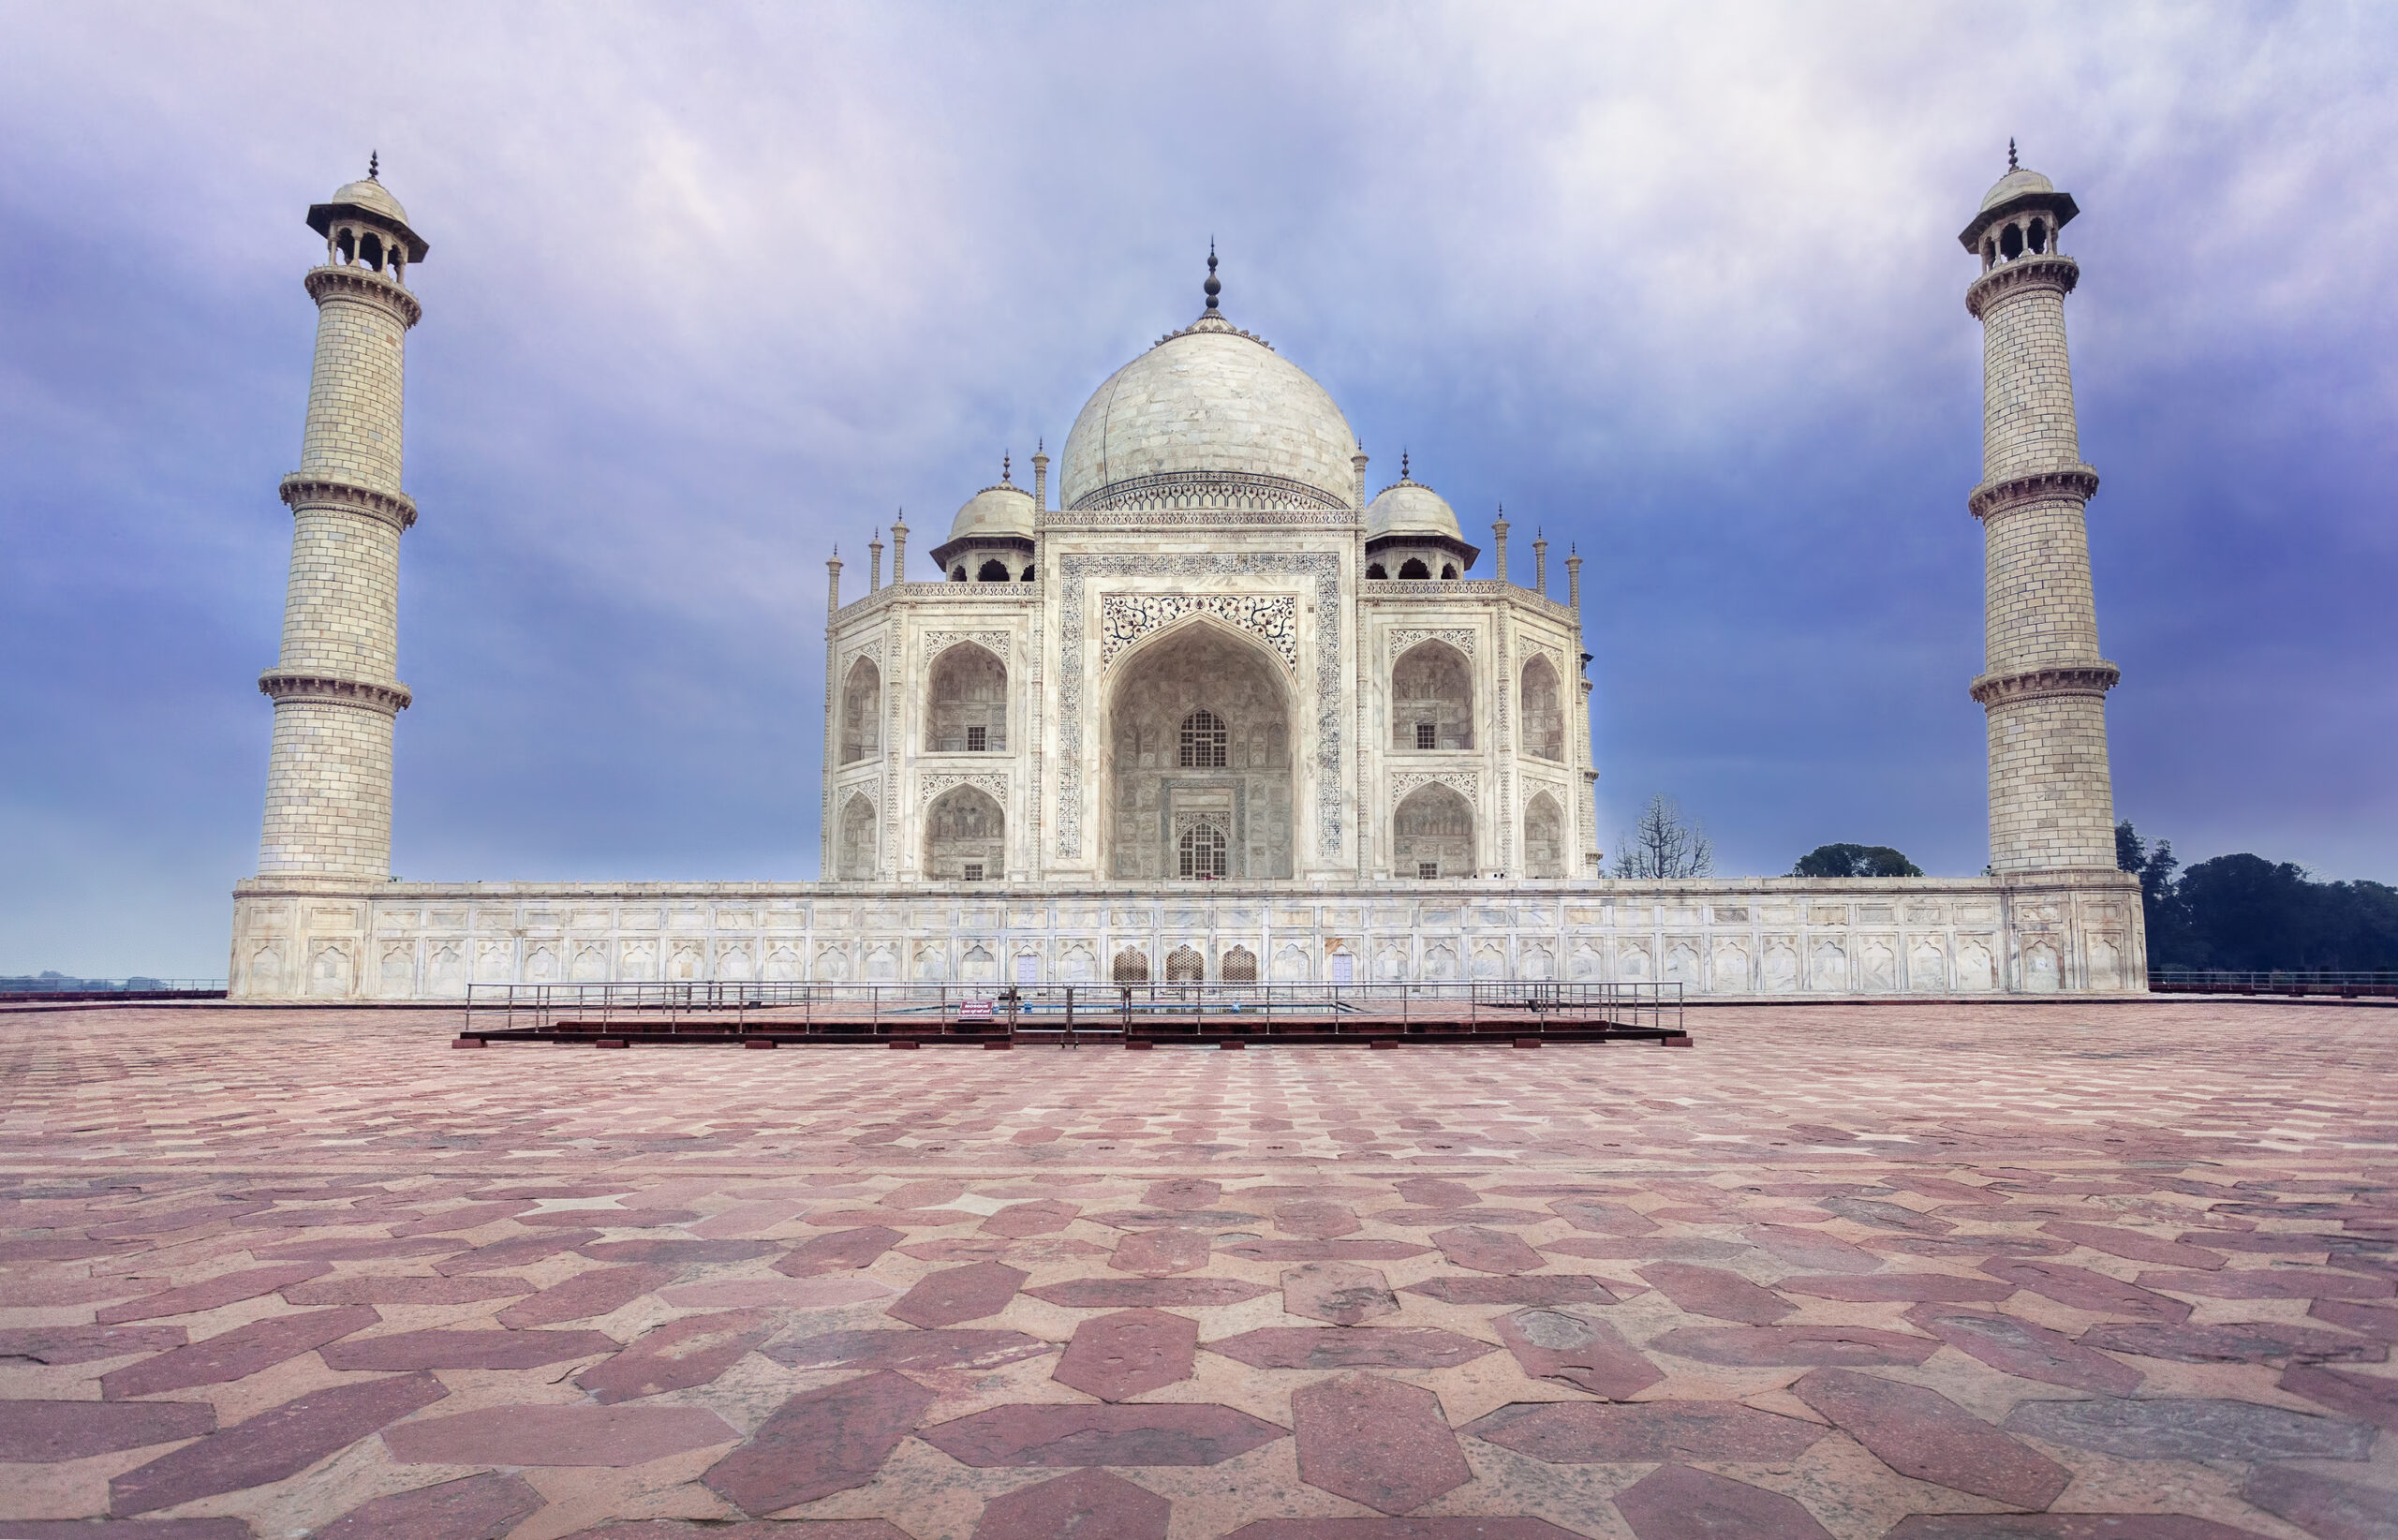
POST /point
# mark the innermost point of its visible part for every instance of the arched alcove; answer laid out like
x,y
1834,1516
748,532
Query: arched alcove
x,y
966,705
1544,718
965,836
854,860
1431,698
862,712
1543,836
1433,833
1199,761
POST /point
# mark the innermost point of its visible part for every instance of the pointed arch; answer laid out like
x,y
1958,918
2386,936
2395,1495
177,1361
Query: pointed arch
x,y
1543,717
862,712
1543,836
1431,698
966,702
965,836
1201,685
1433,833
855,839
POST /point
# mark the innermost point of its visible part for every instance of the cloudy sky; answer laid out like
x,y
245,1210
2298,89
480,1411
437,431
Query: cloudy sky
x,y
712,289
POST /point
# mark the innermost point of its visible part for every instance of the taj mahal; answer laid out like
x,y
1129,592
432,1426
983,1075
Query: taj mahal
x,y
1216,708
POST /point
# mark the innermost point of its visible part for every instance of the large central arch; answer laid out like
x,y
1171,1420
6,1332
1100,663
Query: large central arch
x,y
1199,743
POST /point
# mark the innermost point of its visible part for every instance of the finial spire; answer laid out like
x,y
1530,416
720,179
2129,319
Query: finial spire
x,y
1005,463
1402,465
1213,286
2010,154
374,166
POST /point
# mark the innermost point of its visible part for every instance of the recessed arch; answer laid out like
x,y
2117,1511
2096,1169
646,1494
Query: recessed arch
x,y
1543,836
1130,967
1374,570
1239,776
965,836
1431,698
1186,965
1543,717
1414,570
993,571
853,860
1433,833
862,712
966,702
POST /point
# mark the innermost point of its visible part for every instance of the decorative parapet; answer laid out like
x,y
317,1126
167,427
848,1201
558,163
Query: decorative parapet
x,y
2091,679
2080,482
1211,490
2052,270
354,283
1384,590
303,489
279,687
1022,596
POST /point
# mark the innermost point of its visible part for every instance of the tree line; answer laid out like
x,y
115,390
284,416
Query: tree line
x,y
2246,914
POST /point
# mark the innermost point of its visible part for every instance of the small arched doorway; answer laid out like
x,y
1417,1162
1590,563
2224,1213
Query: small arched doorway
x,y
854,860
1544,719
862,712
967,704
1432,834
1543,836
1431,698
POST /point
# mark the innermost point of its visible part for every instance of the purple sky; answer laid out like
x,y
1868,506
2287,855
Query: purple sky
x,y
712,289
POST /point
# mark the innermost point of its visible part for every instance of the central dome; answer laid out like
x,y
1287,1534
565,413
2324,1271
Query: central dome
x,y
1210,417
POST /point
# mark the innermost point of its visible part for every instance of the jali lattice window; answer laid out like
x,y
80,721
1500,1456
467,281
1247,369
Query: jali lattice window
x,y
1202,853
1202,741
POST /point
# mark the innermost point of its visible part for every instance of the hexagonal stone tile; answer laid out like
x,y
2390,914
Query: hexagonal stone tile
x,y
234,1355
2238,1342
280,1442
1120,1355
2323,1504
207,1295
1092,1504
475,1508
837,1250
595,1292
1338,1292
44,1432
1351,1347
1139,1434
1577,1350
2015,1347
1376,1441
2064,1526
1484,1249
1711,1291
2191,1427
1598,1434
1528,1289
84,1344
1811,1250
688,1352
1677,1503
1160,1253
957,1295
439,1347
1109,1293
1945,1288
819,1442
2087,1291
558,1435
907,1349
1923,1434
2372,1396
1843,1347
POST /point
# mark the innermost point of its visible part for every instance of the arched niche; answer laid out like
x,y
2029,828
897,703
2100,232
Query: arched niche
x,y
1433,833
1431,698
965,836
965,707
1544,716
1543,836
862,712
853,859
1198,738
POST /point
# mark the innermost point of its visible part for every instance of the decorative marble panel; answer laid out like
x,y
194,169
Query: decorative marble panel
x,y
995,642
1125,618
933,783
1468,782
1460,638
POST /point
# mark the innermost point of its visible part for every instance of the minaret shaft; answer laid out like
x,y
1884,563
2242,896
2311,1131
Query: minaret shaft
x,y
2044,682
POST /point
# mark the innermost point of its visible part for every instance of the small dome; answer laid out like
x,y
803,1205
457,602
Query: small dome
x,y
1410,508
996,511
370,195
2015,184
1209,408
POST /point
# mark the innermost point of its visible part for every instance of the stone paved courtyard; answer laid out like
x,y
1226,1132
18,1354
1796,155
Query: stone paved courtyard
x,y
2073,1269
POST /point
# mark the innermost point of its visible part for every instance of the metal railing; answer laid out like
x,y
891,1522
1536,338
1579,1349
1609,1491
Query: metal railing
x,y
2353,984
54,984
1070,1012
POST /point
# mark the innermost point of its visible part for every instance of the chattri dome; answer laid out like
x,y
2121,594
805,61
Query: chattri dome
x,y
372,195
996,511
1210,417
1410,508
2014,184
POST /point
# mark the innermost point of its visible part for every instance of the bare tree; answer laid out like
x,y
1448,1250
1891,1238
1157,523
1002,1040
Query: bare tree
x,y
1663,845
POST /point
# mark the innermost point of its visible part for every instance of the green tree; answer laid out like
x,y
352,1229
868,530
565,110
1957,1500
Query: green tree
x,y
2168,917
1855,861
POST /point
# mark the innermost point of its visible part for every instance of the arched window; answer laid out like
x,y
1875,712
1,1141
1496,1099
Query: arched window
x,y
964,836
1432,685
1414,569
1202,854
1239,966
1131,967
1544,720
993,571
1449,570
1543,837
968,706
2010,241
2039,235
1432,834
370,252
1027,575
1374,570
1185,964
957,575
855,858
862,712
346,246
1202,741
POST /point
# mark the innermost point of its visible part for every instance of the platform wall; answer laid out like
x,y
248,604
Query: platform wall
x,y
2072,932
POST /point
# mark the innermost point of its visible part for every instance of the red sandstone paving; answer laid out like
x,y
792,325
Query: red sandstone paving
x,y
1962,1214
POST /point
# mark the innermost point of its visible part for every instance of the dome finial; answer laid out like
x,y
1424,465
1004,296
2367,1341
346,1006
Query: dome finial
x,y
1005,462
2010,154
1213,286
1402,466
374,166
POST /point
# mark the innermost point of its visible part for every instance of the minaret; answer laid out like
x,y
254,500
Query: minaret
x,y
873,564
1499,545
1540,561
899,547
2043,686
1041,476
336,686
